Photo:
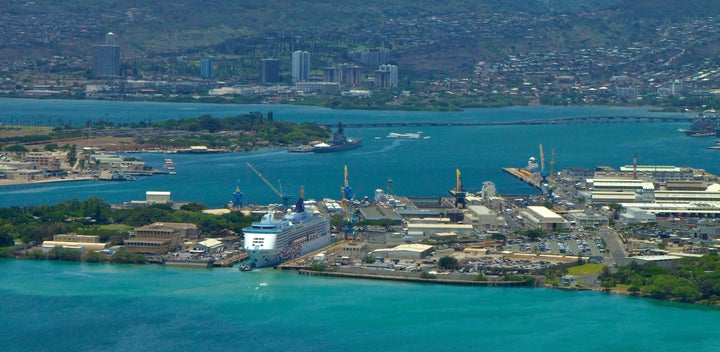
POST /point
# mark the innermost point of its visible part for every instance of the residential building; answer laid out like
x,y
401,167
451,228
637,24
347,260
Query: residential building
x,y
269,70
206,68
386,76
300,66
106,58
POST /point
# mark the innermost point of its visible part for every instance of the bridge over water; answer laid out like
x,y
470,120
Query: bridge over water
x,y
550,121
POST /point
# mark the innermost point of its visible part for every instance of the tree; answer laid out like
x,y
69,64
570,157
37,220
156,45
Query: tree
x,y
16,149
534,234
6,240
93,257
193,206
448,263
616,208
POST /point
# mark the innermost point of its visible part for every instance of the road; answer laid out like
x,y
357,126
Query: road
x,y
613,245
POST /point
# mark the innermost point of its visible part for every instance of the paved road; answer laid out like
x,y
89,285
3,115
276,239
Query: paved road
x,y
613,245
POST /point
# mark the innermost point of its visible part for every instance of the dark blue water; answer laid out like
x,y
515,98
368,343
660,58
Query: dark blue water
x,y
417,167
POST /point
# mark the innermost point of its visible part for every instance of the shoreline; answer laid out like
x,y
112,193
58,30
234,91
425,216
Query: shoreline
x,y
669,109
44,181
436,280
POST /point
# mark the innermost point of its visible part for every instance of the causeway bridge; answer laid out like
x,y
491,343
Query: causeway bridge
x,y
549,121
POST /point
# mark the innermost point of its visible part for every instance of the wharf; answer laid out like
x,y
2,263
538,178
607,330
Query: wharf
x,y
524,175
412,279
300,263
231,260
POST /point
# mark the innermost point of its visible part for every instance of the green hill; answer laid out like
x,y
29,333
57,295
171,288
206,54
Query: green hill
x,y
424,36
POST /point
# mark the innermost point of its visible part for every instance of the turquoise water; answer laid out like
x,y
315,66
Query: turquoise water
x,y
50,306
417,167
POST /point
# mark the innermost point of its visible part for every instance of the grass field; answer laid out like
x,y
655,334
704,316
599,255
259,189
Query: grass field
x,y
585,269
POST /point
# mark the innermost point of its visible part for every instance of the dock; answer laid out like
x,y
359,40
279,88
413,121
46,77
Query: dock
x,y
390,277
524,175
231,260
301,262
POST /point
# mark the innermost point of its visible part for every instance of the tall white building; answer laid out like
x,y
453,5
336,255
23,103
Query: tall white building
x,y
300,66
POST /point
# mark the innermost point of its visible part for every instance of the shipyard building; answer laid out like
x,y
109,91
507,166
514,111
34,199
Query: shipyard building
x,y
160,238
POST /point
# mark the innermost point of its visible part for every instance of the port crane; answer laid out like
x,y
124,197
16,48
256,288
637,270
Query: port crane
x,y
459,193
350,219
285,197
546,182
237,196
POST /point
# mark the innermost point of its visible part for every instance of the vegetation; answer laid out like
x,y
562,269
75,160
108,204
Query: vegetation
x,y
318,267
534,234
585,269
254,127
448,263
128,257
697,280
368,259
427,275
34,224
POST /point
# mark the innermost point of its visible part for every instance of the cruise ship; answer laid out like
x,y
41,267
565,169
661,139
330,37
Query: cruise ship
x,y
272,241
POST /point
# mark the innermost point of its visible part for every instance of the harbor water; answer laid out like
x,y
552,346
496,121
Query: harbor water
x,y
55,306
417,167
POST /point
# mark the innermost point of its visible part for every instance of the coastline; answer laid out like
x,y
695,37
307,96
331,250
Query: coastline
x,y
5,182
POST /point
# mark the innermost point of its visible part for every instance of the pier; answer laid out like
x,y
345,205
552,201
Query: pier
x,y
524,175
377,276
231,259
551,121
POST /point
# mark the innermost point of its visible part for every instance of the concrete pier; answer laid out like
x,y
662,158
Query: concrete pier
x,y
524,175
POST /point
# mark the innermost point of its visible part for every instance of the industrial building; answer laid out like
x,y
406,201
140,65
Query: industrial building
x,y
160,238
543,218
482,217
378,213
660,173
404,251
586,219
428,229
82,243
699,210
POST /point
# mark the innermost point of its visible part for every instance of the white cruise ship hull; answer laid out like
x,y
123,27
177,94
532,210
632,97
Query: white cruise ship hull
x,y
261,258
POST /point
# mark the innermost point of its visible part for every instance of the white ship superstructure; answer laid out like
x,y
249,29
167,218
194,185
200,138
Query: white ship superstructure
x,y
272,240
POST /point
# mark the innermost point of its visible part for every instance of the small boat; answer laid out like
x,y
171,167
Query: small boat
x,y
245,267
404,135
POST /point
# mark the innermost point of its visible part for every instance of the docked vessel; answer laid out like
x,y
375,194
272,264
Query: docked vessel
x,y
702,125
338,142
272,241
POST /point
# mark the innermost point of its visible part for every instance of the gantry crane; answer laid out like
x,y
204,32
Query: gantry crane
x,y
459,193
347,208
546,177
237,196
285,197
